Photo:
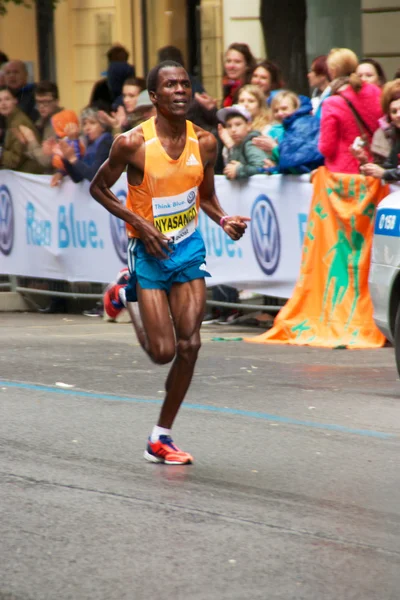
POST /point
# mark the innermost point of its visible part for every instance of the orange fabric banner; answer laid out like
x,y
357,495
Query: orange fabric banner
x,y
331,306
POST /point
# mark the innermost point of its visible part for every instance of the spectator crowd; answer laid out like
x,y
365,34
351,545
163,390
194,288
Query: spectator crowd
x,y
350,122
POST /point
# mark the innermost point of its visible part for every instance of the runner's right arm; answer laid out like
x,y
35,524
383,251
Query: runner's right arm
x,y
122,154
108,174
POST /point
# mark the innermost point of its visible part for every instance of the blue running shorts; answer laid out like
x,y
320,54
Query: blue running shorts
x,y
185,263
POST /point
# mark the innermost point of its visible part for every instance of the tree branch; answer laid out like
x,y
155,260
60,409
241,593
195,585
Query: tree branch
x,y
26,3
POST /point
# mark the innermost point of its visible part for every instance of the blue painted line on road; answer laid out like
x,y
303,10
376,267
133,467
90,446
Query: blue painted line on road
x,y
202,407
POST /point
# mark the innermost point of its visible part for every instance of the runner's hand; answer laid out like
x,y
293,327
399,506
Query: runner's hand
x,y
236,226
155,242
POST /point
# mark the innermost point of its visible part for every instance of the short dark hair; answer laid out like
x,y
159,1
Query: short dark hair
x,y
117,53
139,82
378,68
170,53
152,78
3,58
232,115
4,88
47,87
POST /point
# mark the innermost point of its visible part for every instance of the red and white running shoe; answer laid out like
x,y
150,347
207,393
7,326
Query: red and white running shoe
x,y
111,299
165,451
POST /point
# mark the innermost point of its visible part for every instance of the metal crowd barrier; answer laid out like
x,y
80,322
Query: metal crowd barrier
x,y
94,291
5,284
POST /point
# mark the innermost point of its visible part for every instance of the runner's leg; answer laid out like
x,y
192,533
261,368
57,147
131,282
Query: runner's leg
x,y
153,324
187,304
134,313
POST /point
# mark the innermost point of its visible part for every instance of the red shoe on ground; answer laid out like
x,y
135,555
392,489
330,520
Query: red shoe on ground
x,y
165,451
111,300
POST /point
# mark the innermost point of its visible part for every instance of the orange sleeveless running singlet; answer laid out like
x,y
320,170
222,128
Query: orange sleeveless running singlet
x,y
168,195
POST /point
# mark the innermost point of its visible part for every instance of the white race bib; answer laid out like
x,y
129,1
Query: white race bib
x,y
175,216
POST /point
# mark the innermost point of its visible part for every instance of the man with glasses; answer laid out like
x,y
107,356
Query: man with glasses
x,y
47,105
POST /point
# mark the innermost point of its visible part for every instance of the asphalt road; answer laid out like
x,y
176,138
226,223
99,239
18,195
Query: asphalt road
x,y
294,494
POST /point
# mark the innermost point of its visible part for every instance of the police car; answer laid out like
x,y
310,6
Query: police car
x,y
384,276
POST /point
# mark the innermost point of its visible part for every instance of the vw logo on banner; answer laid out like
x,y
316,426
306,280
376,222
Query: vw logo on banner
x,y
118,232
6,221
265,234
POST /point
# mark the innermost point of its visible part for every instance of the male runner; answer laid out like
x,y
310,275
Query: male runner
x,y
170,175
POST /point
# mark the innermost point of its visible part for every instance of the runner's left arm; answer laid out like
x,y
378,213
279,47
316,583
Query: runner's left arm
x,y
233,226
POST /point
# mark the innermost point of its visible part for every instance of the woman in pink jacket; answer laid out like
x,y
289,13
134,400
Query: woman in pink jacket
x,y
339,125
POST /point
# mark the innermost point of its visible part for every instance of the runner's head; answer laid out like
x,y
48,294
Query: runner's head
x,y
170,89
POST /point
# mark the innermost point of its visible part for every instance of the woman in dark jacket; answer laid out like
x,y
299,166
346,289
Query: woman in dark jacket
x,y
386,140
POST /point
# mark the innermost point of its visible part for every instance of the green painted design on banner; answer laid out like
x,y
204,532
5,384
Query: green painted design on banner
x,y
354,336
363,192
352,188
338,273
300,328
319,209
310,235
337,189
369,211
357,242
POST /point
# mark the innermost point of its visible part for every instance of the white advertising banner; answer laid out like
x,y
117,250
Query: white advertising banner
x,y
62,233
267,258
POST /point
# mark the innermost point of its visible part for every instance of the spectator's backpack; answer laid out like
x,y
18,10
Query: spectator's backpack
x,y
298,150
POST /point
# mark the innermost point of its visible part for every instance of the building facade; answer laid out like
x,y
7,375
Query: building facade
x,y
85,29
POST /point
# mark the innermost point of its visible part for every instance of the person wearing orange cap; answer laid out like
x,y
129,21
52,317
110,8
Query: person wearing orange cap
x,y
66,127
98,142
